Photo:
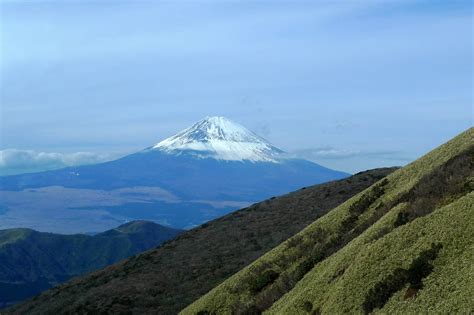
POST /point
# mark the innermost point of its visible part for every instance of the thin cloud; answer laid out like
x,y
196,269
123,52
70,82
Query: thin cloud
x,y
351,160
330,153
325,153
14,161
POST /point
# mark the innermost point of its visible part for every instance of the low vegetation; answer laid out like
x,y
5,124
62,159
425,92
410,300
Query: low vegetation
x,y
393,247
167,279
419,269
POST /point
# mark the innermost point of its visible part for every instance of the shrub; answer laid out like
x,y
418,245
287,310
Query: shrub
x,y
308,306
263,280
419,269
402,218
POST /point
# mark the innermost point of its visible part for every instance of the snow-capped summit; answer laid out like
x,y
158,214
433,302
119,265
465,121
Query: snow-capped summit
x,y
221,139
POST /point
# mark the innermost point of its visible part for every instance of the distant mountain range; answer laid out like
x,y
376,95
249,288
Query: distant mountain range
x,y
203,172
31,261
403,245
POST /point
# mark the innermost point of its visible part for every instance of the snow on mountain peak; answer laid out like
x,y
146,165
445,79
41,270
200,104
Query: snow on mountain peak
x,y
221,139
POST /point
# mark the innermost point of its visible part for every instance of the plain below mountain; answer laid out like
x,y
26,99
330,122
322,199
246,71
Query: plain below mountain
x,y
203,172
31,261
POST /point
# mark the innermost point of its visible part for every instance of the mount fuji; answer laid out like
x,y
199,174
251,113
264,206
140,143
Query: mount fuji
x,y
205,171
221,139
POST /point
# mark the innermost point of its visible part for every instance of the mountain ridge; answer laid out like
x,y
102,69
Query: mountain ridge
x,y
32,261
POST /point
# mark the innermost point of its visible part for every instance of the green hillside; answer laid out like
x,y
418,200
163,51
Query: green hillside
x,y
406,244
166,279
13,235
31,261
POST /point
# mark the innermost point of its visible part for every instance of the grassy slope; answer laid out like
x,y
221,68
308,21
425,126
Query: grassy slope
x,y
448,289
13,235
167,279
343,255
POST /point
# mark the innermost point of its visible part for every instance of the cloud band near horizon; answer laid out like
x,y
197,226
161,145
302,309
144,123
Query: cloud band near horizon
x,y
15,161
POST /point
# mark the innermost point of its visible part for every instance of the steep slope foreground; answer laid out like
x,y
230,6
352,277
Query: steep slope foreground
x,y
31,262
165,280
405,245
210,169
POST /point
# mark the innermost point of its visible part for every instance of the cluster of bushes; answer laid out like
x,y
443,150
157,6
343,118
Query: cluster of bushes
x,y
444,184
363,204
419,269
440,187
308,307
263,279
269,286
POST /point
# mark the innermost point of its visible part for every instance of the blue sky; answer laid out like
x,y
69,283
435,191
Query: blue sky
x,y
349,84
